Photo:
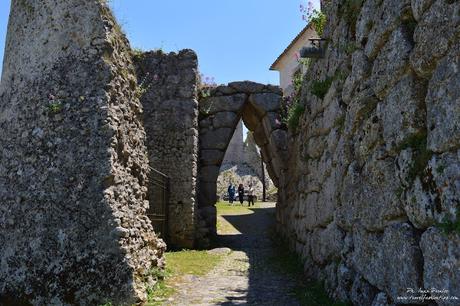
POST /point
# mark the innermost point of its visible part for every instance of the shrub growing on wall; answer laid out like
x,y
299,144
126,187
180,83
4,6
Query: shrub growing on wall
x,y
292,109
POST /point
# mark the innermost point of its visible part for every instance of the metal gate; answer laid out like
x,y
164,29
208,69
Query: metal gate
x,y
159,200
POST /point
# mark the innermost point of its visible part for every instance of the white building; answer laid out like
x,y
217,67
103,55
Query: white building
x,y
288,62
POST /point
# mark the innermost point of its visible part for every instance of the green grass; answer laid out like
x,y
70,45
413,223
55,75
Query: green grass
x,y
191,262
180,263
224,208
159,294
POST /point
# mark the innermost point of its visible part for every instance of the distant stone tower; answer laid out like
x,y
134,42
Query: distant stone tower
x,y
235,151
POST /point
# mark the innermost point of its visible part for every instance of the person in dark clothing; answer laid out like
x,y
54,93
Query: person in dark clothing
x,y
231,193
241,193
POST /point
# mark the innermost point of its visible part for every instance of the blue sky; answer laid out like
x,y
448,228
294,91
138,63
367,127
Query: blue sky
x,y
234,39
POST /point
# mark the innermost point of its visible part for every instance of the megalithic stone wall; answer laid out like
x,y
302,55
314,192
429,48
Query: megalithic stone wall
x,y
169,98
373,197
73,164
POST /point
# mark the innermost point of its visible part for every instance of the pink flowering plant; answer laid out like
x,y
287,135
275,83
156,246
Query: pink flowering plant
x,y
291,107
313,16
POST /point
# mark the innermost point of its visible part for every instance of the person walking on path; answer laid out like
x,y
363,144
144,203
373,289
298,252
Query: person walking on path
x,y
250,195
241,193
231,193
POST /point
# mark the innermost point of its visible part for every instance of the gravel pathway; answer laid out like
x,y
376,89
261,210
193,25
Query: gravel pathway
x,y
245,276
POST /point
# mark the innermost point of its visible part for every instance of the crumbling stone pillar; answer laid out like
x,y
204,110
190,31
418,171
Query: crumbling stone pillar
x,y
170,105
73,164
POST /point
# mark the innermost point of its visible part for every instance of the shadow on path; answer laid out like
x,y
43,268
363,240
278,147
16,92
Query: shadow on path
x,y
267,284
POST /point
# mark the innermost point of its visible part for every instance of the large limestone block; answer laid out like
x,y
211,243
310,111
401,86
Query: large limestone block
x,y
251,118
316,212
326,244
382,299
279,140
443,103
366,21
421,205
369,195
246,86
360,68
209,173
211,157
216,139
260,137
441,269
388,17
445,171
265,102
271,122
208,194
222,90
212,105
437,30
419,7
74,166
433,196
391,261
402,258
391,62
225,119
362,293
401,112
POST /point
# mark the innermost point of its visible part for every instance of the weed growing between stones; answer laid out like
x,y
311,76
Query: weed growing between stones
x,y
292,108
349,11
55,107
348,47
366,111
294,114
137,54
320,88
339,122
144,85
418,143
448,226
205,85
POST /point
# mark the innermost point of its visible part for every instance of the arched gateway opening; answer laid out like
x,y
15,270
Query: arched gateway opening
x,y
258,106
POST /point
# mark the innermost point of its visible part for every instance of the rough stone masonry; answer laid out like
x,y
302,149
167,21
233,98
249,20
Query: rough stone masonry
x,y
373,186
169,98
73,163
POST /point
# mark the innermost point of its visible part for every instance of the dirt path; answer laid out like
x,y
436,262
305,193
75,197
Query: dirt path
x,y
246,275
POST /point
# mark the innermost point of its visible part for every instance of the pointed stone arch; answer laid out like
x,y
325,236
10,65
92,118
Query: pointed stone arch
x,y
258,105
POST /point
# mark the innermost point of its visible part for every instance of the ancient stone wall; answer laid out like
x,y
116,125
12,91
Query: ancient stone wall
x,y
73,164
374,168
169,97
